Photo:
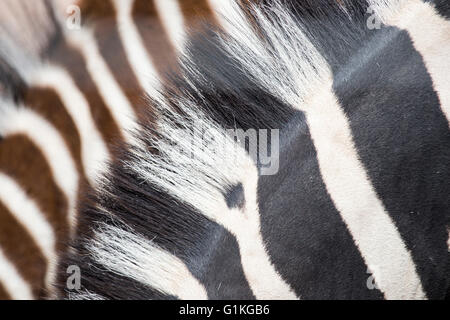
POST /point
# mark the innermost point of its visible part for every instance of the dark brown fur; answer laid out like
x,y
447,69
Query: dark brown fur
x,y
19,246
24,162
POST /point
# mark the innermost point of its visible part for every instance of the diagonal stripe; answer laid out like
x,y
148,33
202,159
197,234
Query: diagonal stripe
x,y
114,98
262,276
13,283
47,103
137,55
106,34
371,227
28,214
93,148
16,119
36,178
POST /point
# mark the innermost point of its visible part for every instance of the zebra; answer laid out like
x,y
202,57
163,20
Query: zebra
x,y
360,192
68,94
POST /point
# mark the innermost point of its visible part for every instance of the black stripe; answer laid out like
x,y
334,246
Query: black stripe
x,y
106,32
304,233
442,6
155,37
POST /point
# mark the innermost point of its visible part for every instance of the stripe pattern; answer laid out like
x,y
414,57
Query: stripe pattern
x,y
357,208
333,222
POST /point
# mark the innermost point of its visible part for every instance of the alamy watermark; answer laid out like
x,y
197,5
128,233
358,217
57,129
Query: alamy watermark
x,y
374,21
73,281
371,283
73,20
201,143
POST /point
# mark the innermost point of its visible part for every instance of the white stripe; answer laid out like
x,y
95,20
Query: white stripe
x,y
17,287
430,35
138,57
136,257
93,149
32,219
121,109
345,178
264,280
173,22
224,12
16,120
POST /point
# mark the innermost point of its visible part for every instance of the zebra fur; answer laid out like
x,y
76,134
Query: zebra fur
x,y
159,225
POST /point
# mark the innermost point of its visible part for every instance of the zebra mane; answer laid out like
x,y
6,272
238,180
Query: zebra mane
x,y
156,210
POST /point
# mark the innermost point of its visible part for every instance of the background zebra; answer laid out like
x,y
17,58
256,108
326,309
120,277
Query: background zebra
x,y
67,96
363,167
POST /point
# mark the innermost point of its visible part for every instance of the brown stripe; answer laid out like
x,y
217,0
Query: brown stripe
x,y
20,248
48,104
4,295
72,60
24,162
197,12
103,18
154,36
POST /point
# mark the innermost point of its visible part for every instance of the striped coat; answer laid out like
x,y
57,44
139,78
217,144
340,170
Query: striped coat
x,y
357,208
